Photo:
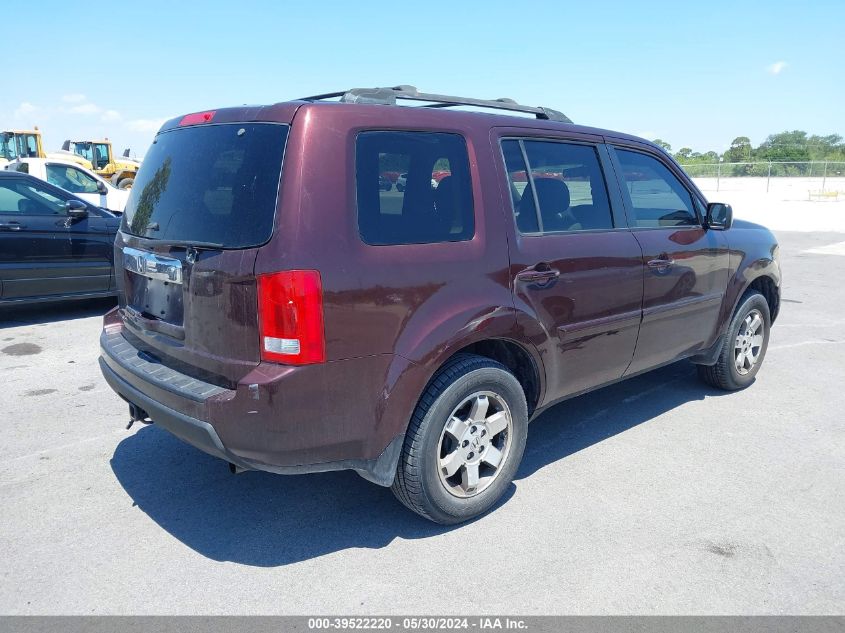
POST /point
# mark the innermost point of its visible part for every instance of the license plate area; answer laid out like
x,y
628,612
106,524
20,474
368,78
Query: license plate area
x,y
154,286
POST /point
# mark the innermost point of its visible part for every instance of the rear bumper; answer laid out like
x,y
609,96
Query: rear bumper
x,y
211,418
196,432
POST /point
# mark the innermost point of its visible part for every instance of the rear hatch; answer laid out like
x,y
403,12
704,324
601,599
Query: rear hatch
x,y
202,204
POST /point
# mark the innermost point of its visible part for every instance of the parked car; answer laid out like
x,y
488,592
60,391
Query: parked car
x,y
71,177
288,326
53,245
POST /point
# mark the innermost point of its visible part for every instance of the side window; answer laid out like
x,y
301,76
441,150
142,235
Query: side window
x,y
523,201
9,199
657,198
568,185
22,167
17,198
70,179
413,188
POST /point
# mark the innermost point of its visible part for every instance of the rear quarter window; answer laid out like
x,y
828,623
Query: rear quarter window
x,y
413,188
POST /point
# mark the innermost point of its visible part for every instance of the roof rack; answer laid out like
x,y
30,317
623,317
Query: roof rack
x,y
388,96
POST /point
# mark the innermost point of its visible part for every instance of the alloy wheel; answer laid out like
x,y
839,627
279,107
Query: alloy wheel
x,y
474,444
749,342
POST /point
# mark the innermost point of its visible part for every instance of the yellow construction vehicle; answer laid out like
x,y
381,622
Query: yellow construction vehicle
x,y
120,171
27,144
20,143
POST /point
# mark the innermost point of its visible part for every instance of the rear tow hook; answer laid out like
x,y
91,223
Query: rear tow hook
x,y
137,414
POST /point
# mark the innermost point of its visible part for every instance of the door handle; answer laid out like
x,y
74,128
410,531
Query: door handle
x,y
11,226
538,274
660,263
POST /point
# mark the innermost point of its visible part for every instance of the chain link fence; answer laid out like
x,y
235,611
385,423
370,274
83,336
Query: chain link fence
x,y
810,180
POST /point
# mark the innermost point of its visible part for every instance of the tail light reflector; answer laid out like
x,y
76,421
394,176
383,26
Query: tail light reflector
x,y
290,317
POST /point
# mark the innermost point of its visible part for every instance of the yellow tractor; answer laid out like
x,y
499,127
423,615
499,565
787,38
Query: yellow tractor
x,y
16,144
120,171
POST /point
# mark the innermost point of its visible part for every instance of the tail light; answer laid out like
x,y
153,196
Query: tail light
x,y
290,317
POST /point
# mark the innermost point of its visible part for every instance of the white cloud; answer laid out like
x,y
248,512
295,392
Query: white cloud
x,y
776,68
25,109
86,108
73,98
145,125
111,115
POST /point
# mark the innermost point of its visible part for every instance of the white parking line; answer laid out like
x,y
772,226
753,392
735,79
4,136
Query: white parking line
x,y
830,249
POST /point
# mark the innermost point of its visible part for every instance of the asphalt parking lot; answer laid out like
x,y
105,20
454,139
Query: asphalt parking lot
x,y
655,496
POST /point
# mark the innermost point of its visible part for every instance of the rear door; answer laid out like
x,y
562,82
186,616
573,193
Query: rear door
x,y
577,269
685,265
202,203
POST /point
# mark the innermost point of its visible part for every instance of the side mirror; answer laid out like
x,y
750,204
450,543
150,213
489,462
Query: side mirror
x,y
720,216
76,209
101,188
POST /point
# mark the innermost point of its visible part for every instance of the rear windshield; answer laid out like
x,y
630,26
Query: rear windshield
x,y
209,183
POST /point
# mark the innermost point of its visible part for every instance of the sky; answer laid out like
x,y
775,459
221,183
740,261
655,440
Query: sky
x,y
695,74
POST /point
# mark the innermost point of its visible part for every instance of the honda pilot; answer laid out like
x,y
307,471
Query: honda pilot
x,y
283,309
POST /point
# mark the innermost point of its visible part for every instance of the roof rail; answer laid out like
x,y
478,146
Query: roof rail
x,y
388,96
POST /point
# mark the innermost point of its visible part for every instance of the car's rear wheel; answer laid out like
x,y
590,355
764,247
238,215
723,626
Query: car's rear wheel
x,y
743,346
465,441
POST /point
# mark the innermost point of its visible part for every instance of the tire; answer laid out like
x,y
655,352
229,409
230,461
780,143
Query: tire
x,y
467,388
125,183
400,188
726,373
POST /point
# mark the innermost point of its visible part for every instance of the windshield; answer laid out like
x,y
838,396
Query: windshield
x,y
7,147
84,150
209,183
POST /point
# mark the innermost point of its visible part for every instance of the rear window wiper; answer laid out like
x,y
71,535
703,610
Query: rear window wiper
x,y
184,243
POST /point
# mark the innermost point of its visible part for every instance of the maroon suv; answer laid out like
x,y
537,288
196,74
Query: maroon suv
x,y
283,309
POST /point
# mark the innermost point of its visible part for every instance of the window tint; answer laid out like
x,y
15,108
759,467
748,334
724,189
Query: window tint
x,y
20,198
70,179
568,184
657,197
413,188
209,183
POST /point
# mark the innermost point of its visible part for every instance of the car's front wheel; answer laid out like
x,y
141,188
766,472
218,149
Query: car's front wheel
x,y
465,441
743,346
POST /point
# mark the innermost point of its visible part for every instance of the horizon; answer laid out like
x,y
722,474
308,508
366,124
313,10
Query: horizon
x,y
658,91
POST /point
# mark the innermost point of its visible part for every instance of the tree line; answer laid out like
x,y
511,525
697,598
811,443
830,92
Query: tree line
x,y
794,146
